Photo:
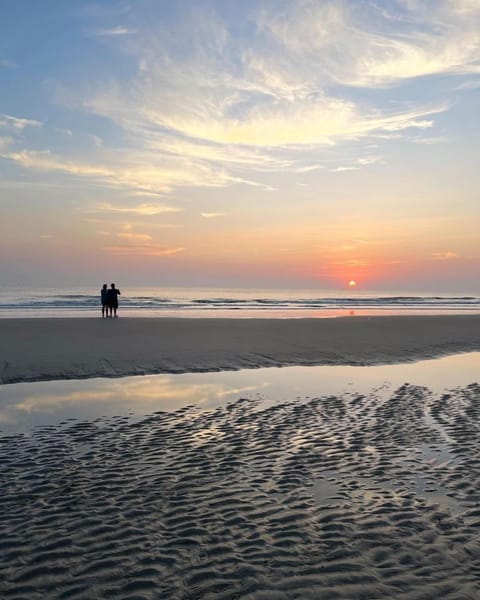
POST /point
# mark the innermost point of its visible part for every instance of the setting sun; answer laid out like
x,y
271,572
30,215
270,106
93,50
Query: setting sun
x,y
352,283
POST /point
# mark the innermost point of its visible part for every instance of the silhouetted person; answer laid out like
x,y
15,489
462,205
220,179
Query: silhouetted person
x,y
103,295
112,300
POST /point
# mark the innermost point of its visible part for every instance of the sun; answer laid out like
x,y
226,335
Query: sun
x,y
352,283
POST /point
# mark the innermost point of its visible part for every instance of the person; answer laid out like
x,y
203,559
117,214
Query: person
x,y
112,300
103,295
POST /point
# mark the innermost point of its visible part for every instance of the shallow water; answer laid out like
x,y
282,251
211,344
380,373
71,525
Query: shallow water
x,y
26,405
301,482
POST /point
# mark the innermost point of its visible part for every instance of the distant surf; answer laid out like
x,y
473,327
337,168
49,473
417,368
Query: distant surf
x,y
16,302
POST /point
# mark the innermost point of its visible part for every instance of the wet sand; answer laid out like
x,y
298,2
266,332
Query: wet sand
x,y
45,349
328,497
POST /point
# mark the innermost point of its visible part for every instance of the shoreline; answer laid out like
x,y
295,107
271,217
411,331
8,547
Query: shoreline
x,y
51,349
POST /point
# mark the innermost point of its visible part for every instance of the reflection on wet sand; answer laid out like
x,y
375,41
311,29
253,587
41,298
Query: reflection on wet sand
x,y
30,404
25,405
276,484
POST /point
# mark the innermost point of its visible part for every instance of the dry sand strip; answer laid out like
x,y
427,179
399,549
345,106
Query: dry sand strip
x,y
46,349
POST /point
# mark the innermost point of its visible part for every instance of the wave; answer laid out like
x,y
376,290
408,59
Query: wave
x,y
81,302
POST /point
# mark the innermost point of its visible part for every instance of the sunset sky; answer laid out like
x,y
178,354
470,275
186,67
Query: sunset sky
x,y
269,143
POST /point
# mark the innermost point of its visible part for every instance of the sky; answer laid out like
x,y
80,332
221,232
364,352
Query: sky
x,y
270,143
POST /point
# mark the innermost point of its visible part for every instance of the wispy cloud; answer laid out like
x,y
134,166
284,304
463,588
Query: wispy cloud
x,y
308,168
144,173
463,7
256,109
146,194
376,47
113,31
45,160
471,84
430,141
345,168
135,237
64,131
143,250
222,103
445,255
222,112
212,215
412,123
140,209
18,122
368,160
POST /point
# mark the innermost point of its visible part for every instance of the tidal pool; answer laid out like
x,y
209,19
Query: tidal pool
x,y
26,405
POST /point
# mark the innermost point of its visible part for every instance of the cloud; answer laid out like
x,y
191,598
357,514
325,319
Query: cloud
x,y
45,160
368,160
471,84
206,109
146,209
308,168
221,102
135,237
97,141
346,168
211,118
445,255
113,32
429,141
63,131
215,151
363,45
212,215
464,7
140,171
143,250
411,123
146,194
17,122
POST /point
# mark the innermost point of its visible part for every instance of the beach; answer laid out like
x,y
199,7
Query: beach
x,y
46,349
275,484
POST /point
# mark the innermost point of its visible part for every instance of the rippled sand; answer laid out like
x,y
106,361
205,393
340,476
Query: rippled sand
x,y
330,497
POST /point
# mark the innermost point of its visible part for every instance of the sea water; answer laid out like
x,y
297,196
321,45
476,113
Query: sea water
x,y
217,302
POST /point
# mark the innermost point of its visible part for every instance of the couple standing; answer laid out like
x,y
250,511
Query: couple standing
x,y
109,300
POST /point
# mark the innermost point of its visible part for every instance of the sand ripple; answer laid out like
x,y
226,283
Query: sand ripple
x,y
329,497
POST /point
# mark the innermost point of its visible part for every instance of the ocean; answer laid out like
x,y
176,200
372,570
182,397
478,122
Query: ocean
x,y
16,302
